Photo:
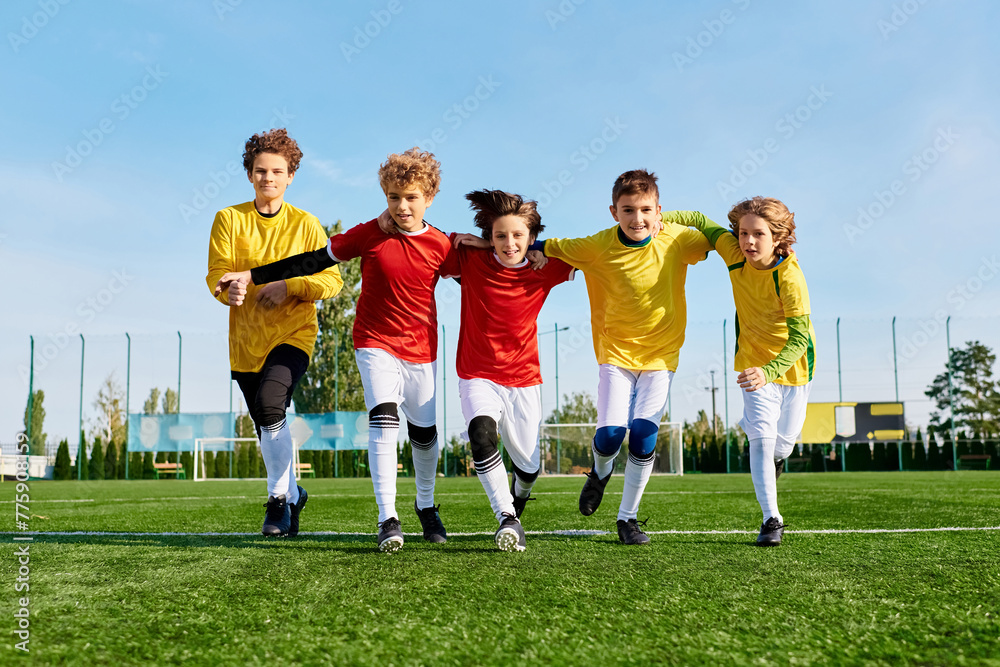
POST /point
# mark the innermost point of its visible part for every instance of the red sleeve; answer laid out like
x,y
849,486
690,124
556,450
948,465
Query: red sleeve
x,y
451,267
352,243
557,271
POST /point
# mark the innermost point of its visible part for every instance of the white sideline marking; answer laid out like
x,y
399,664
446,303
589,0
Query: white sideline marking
x,y
564,533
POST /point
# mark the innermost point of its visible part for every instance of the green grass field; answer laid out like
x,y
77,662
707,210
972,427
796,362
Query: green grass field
x,y
701,593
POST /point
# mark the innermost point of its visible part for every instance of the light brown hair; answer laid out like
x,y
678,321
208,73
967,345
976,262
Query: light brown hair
x,y
635,182
412,168
780,220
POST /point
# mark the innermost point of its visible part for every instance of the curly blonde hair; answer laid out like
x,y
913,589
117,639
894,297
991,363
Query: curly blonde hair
x,y
775,213
411,168
272,141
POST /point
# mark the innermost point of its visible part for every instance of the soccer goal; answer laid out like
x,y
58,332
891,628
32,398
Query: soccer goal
x,y
217,445
566,448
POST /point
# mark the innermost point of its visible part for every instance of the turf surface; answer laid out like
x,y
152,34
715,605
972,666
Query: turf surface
x,y
700,593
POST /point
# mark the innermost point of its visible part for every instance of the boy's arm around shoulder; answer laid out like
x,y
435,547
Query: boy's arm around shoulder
x,y
709,228
324,284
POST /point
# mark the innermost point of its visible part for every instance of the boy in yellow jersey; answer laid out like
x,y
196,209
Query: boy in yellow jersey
x,y
775,348
271,337
635,283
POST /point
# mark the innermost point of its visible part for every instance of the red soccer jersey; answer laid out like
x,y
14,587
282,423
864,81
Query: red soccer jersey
x,y
498,340
396,311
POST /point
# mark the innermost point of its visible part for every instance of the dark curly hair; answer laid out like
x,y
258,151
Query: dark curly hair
x,y
272,141
492,204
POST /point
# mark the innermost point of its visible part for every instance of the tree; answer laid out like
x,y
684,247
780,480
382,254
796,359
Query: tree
x,y
63,468
976,394
109,424
150,406
170,406
97,460
332,380
576,408
111,461
37,444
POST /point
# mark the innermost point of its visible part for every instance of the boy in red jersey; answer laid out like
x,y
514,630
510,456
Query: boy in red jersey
x,y
395,331
498,368
272,338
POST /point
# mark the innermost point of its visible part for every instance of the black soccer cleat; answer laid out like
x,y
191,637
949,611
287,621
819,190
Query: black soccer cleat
x,y
592,493
629,532
277,517
430,520
510,534
779,467
293,529
519,503
770,533
390,536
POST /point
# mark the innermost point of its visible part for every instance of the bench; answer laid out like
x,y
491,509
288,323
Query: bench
x,y
175,469
974,462
304,470
400,470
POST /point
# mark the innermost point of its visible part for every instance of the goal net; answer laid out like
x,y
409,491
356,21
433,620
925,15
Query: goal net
x,y
566,449
202,445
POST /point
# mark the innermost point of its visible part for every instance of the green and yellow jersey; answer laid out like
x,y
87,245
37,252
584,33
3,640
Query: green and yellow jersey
x,y
637,309
243,239
773,329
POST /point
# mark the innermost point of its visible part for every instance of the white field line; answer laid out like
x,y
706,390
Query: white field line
x,y
744,492
562,533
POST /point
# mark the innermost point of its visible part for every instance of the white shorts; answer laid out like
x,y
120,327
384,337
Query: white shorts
x,y
387,379
775,411
624,395
517,412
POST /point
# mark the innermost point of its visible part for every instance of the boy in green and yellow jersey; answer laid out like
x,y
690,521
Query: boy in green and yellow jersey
x,y
271,337
635,282
775,341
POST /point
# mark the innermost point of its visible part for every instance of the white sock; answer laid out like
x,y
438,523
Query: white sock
x,y
603,465
522,489
276,450
382,435
425,463
762,474
494,479
637,472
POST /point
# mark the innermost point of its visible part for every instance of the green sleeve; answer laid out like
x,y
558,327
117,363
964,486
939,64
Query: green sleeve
x,y
798,342
710,229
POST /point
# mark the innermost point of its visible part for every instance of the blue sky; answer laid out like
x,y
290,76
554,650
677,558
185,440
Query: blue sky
x,y
874,121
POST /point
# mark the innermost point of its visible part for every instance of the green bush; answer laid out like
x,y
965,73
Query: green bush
x,y
222,465
111,461
148,471
63,468
122,457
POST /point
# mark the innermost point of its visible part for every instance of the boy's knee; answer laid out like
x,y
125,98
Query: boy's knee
x,y
642,439
383,415
268,412
526,477
608,440
483,438
422,437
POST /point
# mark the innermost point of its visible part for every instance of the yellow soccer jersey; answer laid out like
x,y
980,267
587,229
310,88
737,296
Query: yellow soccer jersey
x,y
764,300
637,309
243,239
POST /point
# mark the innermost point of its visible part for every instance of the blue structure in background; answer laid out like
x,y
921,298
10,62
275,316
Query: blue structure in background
x,y
177,432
